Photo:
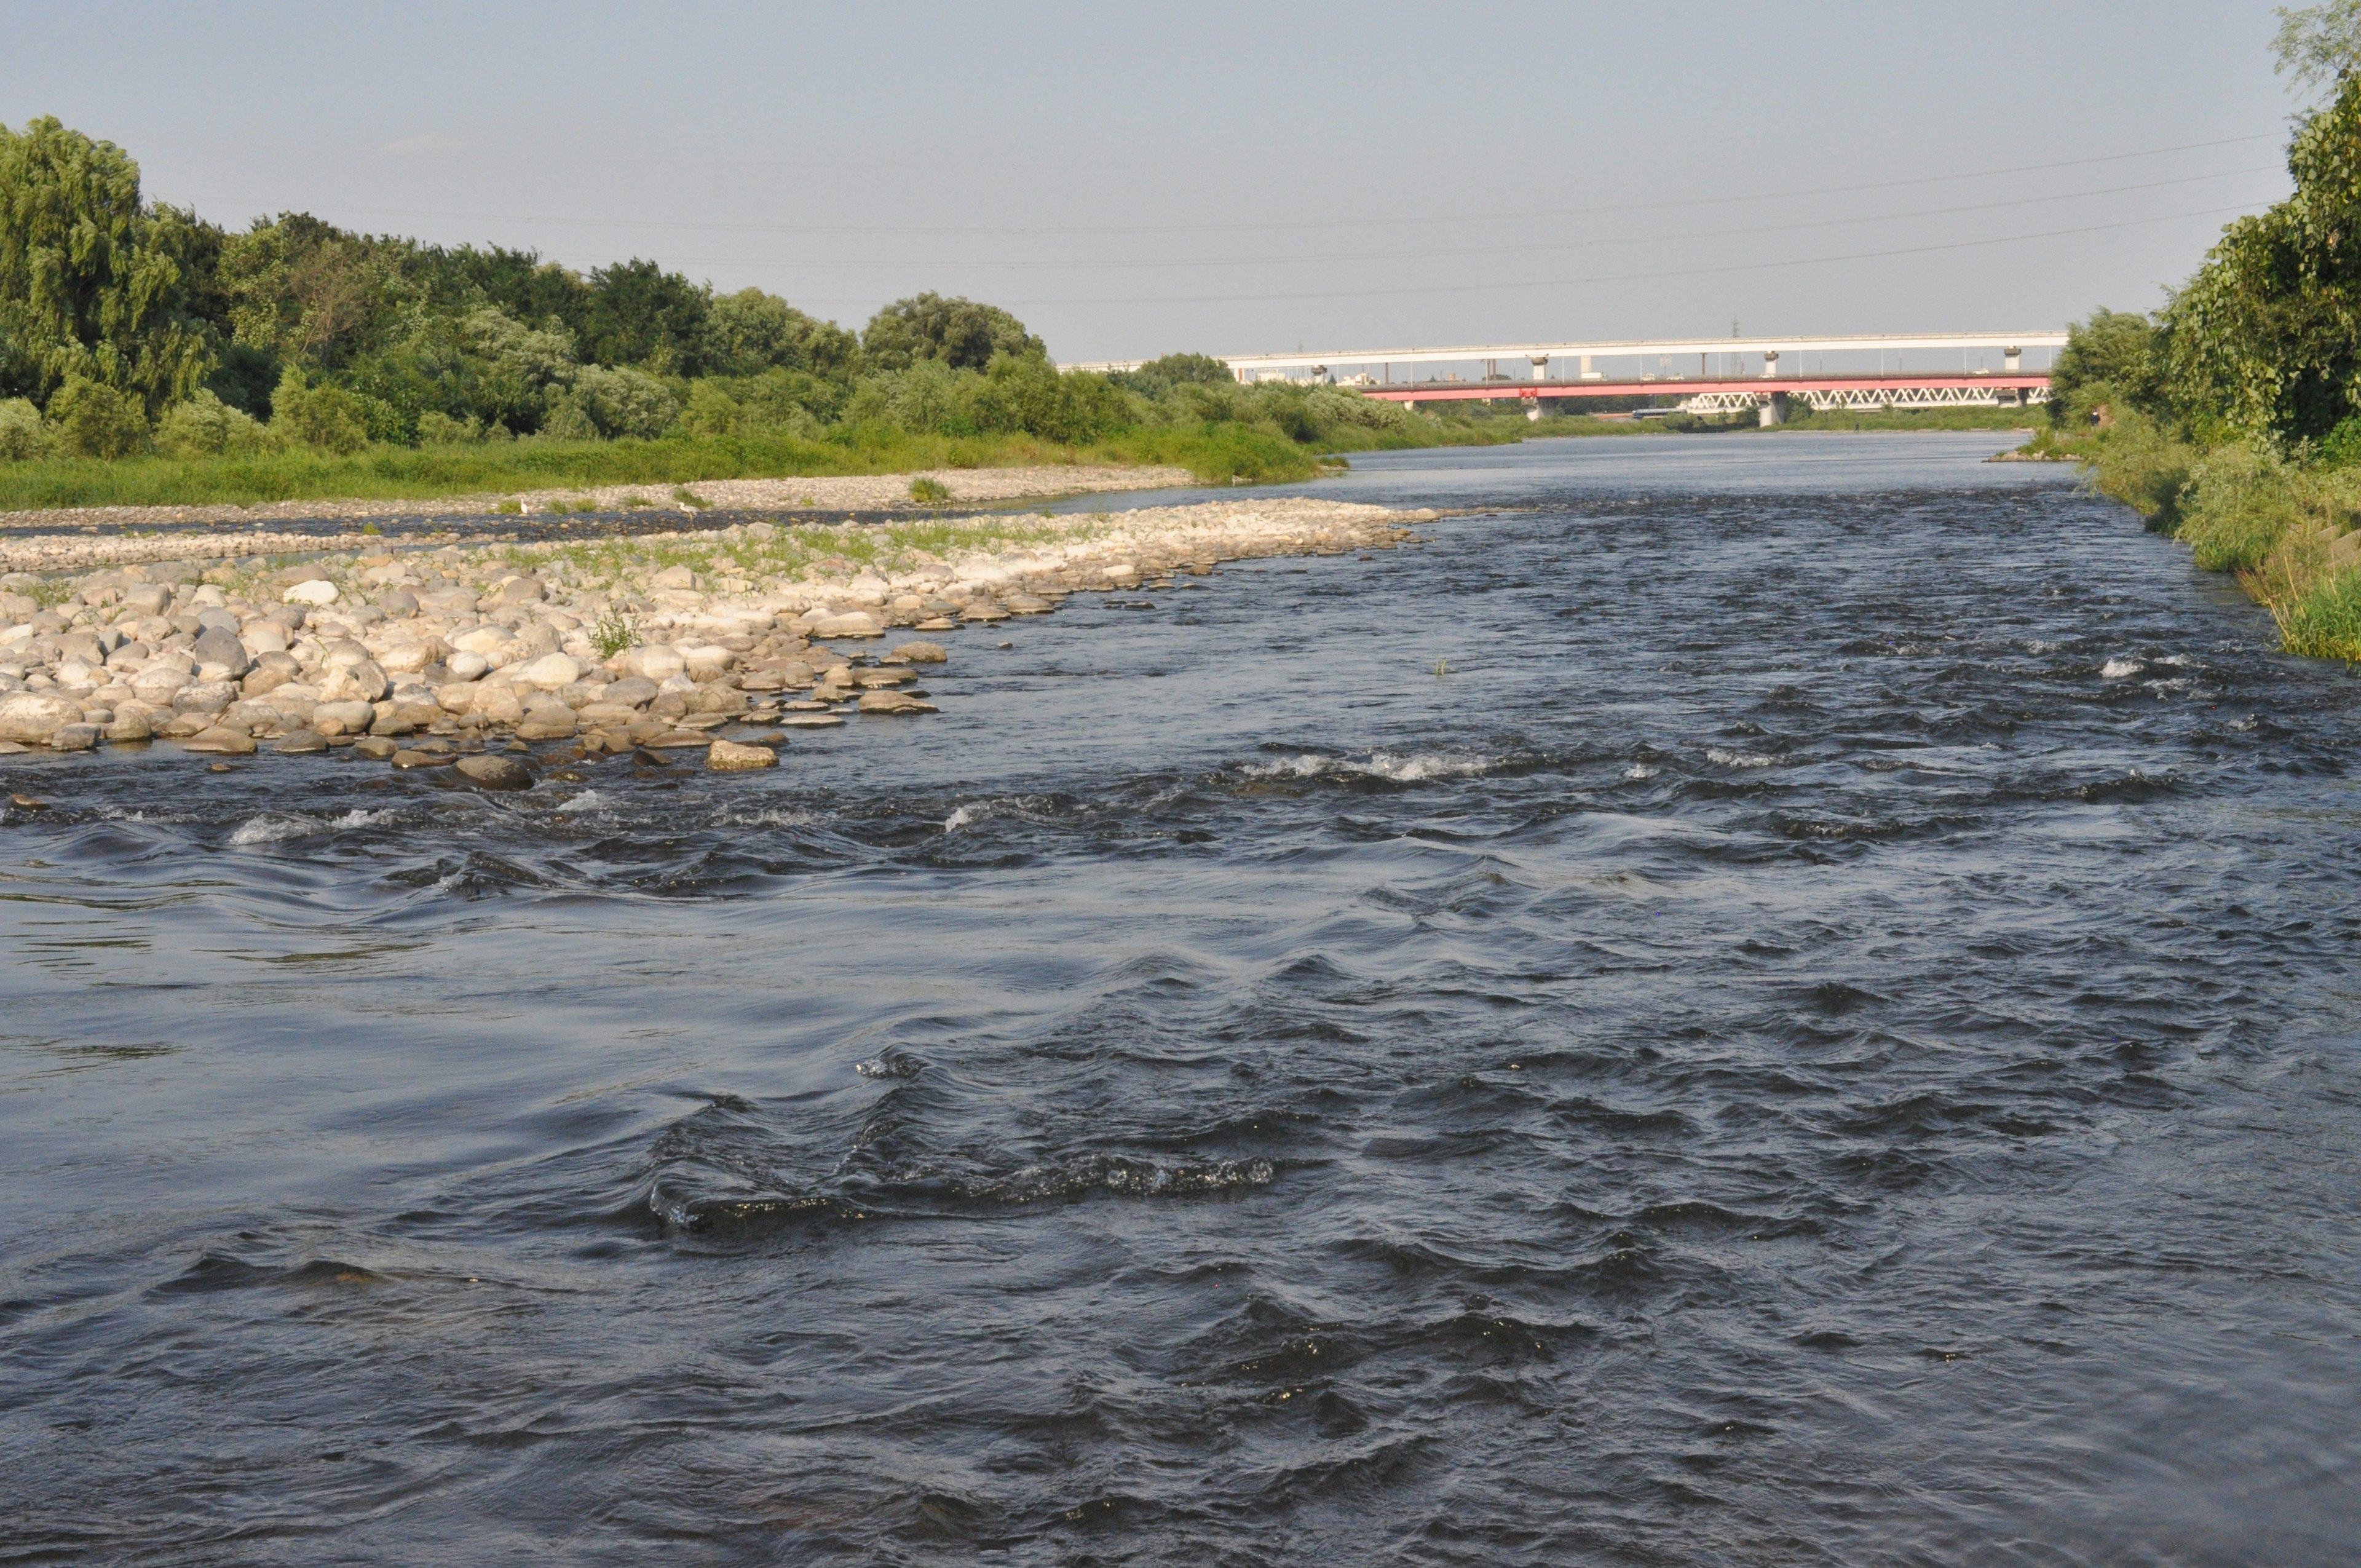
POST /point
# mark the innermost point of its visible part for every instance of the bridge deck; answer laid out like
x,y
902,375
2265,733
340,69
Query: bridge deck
x,y
1677,386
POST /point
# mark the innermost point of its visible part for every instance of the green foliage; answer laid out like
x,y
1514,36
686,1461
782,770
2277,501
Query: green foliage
x,y
960,333
23,436
2236,505
205,426
930,492
95,420
2341,448
1158,377
2267,335
641,315
89,278
624,403
2108,360
2325,623
326,417
751,332
2319,45
614,633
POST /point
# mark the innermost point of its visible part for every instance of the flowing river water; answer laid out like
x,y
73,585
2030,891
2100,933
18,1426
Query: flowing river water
x,y
1764,1000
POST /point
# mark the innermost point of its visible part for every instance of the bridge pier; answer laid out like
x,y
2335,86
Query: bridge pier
x,y
1773,411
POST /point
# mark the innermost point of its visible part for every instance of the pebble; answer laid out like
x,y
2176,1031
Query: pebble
x,y
302,742
375,748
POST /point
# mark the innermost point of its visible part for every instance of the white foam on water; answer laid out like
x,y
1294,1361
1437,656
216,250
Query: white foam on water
x,y
2116,669
589,800
1738,759
1639,771
958,819
1414,767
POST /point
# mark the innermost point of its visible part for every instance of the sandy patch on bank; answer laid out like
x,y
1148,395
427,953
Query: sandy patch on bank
x,y
842,492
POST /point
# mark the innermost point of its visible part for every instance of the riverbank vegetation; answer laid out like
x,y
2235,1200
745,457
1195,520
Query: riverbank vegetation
x,y
2231,419
149,356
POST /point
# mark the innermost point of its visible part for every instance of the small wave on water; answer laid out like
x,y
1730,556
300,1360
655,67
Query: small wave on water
x,y
1703,1085
277,826
1396,767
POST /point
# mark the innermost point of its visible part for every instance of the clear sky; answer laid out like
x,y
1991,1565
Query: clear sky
x,y
1135,179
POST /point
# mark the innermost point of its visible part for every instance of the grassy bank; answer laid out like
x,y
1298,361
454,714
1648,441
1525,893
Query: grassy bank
x,y
2284,526
1216,453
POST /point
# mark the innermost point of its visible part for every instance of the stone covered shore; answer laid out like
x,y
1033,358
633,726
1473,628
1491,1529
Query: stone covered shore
x,y
494,659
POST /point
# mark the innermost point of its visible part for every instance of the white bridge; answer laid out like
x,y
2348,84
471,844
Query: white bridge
x,y
1732,373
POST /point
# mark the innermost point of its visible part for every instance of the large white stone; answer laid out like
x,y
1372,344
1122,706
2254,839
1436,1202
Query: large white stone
x,y
550,672
32,717
264,636
312,593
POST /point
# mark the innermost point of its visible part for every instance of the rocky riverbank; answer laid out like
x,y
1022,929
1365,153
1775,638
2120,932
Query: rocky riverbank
x,y
717,642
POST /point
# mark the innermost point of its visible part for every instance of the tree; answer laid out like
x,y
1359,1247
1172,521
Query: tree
x,y
2267,335
89,278
2112,355
750,332
640,315
960,333
2319,46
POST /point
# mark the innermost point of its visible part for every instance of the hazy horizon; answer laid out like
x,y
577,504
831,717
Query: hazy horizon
x,y
1231,180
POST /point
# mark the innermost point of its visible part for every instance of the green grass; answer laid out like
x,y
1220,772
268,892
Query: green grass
x,y
1213,453
2326,623
789,552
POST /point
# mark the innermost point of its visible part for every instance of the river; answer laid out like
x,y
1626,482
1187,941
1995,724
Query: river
x,y
1763,999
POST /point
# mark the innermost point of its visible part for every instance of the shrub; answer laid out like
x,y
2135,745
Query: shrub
x,y
567,421
625,403
710,413
23,436
94,419
437,428
930,492
327,418
2236,505
614,633
205,426
2342,448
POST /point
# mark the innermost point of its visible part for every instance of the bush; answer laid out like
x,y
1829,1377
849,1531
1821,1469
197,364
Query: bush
x,y
205,426
930,492
326,418
23,436
625,403
93,419
2236,505
710,413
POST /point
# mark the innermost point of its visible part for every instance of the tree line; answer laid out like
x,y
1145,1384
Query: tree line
x,y
128,328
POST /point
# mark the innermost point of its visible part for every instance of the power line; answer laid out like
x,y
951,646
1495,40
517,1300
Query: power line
x,y
1526,216
1333,258
1631,276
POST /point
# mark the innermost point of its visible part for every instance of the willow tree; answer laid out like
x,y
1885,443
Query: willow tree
x,y
90,278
